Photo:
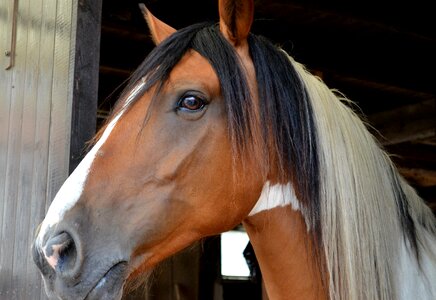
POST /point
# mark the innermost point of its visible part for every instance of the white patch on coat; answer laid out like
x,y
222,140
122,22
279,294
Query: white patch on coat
x,y
275,196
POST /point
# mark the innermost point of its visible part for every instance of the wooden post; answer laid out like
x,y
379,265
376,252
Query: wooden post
x,y
85,93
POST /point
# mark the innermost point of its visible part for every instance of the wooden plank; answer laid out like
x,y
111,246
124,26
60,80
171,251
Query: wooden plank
x,y
115,71
9,280
29,94
419,177
62,96
162,286
296,13
22,256
177,278
413,155
186,271
405,124
429,195
42,127
376,85
119,31
5,108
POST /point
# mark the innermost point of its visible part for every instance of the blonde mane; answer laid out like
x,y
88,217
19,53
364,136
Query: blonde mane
x,y
368,254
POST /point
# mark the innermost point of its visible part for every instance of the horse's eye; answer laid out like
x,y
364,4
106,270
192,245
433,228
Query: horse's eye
x,y
191,103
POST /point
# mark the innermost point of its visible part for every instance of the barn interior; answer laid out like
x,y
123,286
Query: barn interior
x,y
59,56
378,54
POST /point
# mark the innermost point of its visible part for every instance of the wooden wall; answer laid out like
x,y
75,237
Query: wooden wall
x,y
35,120
177,278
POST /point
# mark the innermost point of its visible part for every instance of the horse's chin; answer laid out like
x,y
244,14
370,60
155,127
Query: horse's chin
x,y
110,286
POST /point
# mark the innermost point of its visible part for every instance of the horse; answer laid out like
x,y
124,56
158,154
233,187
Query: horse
x,y
219,127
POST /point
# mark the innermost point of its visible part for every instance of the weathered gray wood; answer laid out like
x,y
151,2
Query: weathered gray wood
x,y
35,109
8,280
42,134
30,60
5,106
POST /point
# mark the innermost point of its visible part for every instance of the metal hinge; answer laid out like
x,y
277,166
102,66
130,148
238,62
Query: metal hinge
x,y
10,53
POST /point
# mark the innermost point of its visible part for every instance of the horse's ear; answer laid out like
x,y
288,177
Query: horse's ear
x,y
158,29
236,17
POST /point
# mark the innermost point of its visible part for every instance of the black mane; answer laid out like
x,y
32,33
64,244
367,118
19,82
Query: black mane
x,y
286,124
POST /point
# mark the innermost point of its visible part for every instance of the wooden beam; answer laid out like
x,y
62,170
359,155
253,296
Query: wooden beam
x,y
419,177
115,71
429,195
119,31
378,86
295,13
85,93
408,123
413,155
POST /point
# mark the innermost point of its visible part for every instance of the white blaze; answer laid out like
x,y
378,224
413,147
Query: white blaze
x,y
72,188
275,196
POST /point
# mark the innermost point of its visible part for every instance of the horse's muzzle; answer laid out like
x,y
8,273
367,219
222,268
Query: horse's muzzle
x,y
69,272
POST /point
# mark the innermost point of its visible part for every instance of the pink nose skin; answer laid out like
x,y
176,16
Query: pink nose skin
x,y
53,259
55,247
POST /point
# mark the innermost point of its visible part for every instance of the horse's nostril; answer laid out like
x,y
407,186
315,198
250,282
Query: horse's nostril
x,y
39,260
60,252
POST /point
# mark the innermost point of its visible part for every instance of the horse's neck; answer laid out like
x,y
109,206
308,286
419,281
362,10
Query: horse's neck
x,y
281,243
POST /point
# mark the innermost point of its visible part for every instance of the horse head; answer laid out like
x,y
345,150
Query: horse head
x,y
162,173
218,127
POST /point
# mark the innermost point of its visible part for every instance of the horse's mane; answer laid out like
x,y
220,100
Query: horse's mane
x,y
358,208
368,213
